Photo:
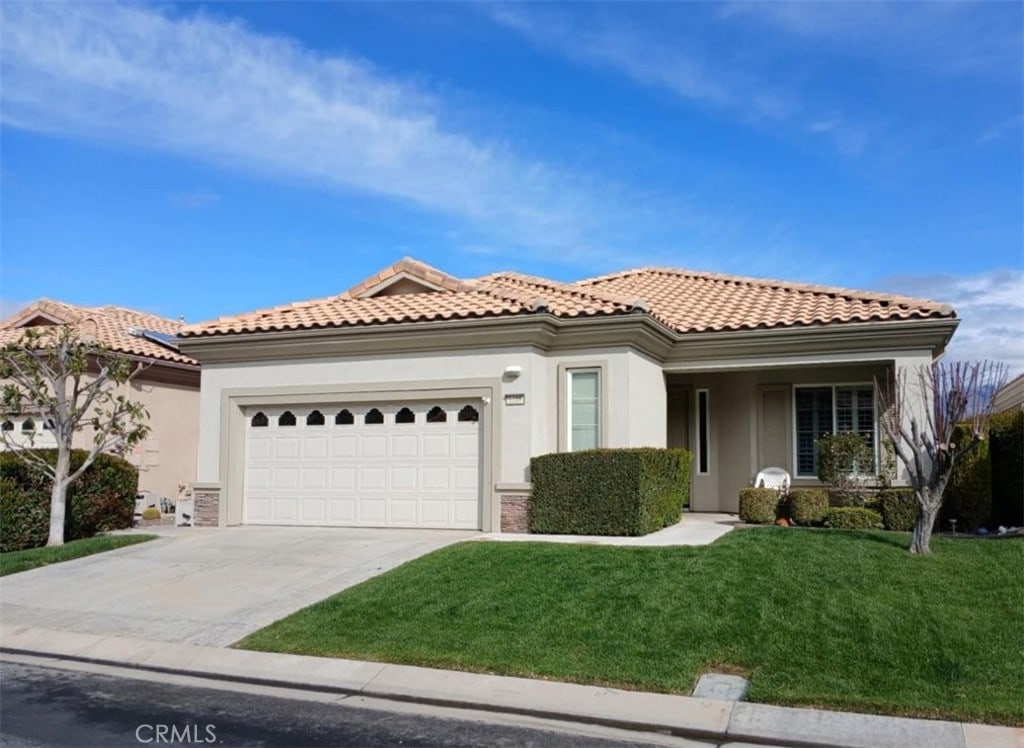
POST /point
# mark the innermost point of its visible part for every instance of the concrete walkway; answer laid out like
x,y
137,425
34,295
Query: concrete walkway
x,y
720,721
208,586
695,528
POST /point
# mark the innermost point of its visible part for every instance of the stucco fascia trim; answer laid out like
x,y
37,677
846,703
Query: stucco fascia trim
x,y
546,332
859,342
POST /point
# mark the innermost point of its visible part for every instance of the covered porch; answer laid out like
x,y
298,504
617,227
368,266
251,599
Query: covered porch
x,y
740,419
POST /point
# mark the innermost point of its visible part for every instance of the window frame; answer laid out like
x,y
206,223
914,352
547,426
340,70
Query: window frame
x,y
833,386
571,372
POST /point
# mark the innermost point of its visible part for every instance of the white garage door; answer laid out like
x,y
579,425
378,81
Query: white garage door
x,y
376,465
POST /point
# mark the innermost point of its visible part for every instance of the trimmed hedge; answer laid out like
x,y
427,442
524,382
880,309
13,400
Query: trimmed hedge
x,y
853,518
759,506
1006,437
808,506
899,509
609,491
103,498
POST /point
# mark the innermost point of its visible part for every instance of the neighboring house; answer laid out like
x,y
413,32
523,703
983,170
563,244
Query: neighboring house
x,y
416,399
1010,395
168,387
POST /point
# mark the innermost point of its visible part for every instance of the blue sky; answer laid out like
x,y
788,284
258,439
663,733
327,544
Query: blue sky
x,y
206,159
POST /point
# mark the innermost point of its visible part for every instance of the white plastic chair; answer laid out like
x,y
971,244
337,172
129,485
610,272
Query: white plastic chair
x,y
773,477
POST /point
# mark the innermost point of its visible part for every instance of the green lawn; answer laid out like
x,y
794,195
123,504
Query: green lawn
x,y
15,561
836,619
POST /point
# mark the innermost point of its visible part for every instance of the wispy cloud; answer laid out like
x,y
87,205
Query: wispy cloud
x,y
670,56
947,38
193,199
990,305
214,90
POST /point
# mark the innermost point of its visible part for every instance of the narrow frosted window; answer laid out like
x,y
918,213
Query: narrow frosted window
x,y
584,409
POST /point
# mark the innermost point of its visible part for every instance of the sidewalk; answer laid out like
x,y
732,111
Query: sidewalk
x,y
722,721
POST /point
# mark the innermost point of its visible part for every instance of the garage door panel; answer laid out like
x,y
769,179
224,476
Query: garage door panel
x,y
344,446
343,478
286,448
373,447
435,446
405,472
404,477
285,510
405,446
314,477
373,478
259,478
314,448
286,478
314,511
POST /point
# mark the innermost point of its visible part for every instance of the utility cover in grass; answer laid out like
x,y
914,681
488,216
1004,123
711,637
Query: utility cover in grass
x,y
721,687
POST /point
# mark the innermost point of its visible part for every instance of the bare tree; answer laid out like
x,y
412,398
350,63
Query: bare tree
x,y
69,382
919,415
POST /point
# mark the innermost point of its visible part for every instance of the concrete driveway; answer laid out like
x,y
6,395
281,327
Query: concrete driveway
x,y
207,586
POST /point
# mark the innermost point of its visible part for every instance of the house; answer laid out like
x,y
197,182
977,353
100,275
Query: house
x,y
416,399
1010,396
168,387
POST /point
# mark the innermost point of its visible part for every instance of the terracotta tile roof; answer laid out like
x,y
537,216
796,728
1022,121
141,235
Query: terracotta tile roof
x,y
692,301
682,300
109,325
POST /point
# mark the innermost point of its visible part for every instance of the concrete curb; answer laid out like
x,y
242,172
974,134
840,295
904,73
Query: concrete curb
x,y
683,716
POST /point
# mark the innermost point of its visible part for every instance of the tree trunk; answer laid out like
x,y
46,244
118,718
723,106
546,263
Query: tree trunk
x,y
921,539
58,498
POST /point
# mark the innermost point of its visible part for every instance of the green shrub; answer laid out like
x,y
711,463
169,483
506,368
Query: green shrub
x,y
853,518
151,512
899,508
808,506
759,506
844,460
1006,437
609,491
102,498
968,496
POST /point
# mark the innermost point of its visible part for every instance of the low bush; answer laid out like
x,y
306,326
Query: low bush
x,y
808,506
845,461
899,509
853,518
1006,445
151,512
609,491
102,498
759,506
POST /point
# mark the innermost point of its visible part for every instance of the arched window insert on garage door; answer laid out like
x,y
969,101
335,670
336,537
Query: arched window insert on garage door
x,y
374,416
344,418
260,420
8,426
405,416
437,415
28,425
469,413
286,419
316,418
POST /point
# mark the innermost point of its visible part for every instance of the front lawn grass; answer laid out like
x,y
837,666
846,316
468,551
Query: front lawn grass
x,y
15,561
834,619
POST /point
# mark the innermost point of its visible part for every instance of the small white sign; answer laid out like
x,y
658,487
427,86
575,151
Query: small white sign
x,y
515,398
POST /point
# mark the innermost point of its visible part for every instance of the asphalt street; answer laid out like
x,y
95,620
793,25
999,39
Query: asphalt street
x,y
47,706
